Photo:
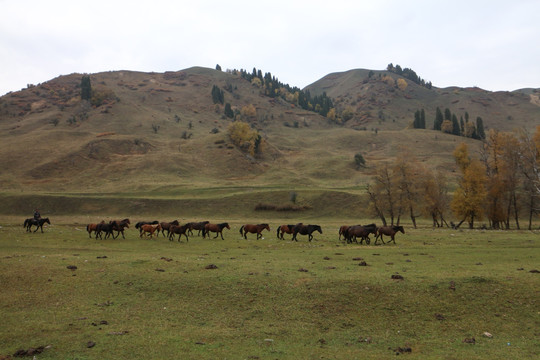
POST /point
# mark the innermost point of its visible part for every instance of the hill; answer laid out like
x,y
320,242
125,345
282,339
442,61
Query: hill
x,y
160,135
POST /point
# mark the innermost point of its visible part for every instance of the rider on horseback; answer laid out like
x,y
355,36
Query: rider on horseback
x,y
37,215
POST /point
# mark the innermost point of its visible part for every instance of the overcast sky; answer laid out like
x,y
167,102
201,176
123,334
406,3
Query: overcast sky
x,y
494,45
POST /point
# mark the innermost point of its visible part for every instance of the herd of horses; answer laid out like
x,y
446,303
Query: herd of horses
x,y
115,228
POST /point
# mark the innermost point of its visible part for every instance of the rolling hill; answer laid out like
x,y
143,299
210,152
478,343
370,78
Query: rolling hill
x,y
161,136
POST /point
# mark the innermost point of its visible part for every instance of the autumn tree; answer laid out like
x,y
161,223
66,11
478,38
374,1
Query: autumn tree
x,y
407,174
529,156
435,199
468,201
246,138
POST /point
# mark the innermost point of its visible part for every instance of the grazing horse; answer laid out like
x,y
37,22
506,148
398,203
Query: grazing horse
x,y
38,223
93,227
217,228
180,230
305,230
361,231
196,226
251,228
167,226
285,229
149,229
388,231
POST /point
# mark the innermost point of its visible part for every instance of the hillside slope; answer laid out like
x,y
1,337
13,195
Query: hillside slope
x,y
161,135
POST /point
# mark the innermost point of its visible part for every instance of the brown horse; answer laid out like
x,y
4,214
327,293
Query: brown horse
x,y
285,229
106,228
149,229
93,227
305,230
196,226
388,231
342,230
360,231
217,228
251,228
180,230
119,226
167,226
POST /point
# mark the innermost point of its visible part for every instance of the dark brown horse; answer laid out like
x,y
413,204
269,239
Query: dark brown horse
x,y
106,228
342,230
166,226
141,223
93,227
285,229
180,230
253,229
305,230
217,228
38,223
119,226
360,231
388,231
196,226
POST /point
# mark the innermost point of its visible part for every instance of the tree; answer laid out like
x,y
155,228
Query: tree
x,y
437,123
359,161
408,175
470,195
246,138
218,68
402,84
447,114
228,111
480,128
86,88
422,119
217,95
435,201
455,126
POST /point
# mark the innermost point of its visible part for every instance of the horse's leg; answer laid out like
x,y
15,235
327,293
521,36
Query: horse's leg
x,y
221,233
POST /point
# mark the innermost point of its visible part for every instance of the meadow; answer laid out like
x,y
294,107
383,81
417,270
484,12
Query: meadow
x,y
435,294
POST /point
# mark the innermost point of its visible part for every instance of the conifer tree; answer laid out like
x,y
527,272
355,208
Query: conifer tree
x,y
438,119
228,111
480,128
86,88
422,119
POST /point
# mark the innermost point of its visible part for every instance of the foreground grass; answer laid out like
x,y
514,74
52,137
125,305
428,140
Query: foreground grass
x,y
269,299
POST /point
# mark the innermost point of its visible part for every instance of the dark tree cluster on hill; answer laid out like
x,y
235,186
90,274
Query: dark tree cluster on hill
x,y
419,119
448,123
86,88
408,74
272,87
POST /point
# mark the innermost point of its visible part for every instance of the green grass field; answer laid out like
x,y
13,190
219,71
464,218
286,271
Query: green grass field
x,y
269,298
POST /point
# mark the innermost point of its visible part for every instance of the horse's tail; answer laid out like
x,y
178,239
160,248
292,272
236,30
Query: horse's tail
x,y
242,230
26,223
277,233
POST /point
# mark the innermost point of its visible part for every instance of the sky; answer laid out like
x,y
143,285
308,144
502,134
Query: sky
x,y
493,44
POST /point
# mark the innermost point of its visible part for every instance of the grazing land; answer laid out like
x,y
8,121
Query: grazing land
x,y
435,294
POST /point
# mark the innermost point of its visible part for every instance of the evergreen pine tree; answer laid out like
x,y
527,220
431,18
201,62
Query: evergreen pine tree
x,y
228,111
480,128
86,88
416,122
422,119
447,114
455,126
438,119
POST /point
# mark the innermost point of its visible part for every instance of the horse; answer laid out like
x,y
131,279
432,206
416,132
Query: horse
x,y
217,228
167,226
38,223
119,226
305,230
93,227
285,229
196,226
251,228
107,228
361,231
342,230
388,231
141,223
180,230
149,229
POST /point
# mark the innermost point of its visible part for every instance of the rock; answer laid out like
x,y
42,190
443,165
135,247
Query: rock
x,y
71,267
90,344
488,335
469,340
303,270
211,266
397,277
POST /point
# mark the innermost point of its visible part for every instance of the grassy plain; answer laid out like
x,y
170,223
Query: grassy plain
x,y
270,299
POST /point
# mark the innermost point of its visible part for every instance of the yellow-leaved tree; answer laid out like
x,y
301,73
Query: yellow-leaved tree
x,y
246,138
470,196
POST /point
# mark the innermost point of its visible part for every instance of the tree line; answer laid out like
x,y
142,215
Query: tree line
x,y
447,122
501,184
